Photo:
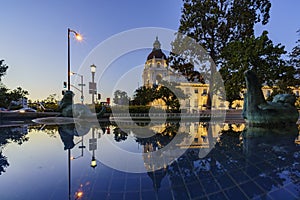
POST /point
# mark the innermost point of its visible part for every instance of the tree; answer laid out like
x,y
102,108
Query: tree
x,y
3,97
170,94
17,94
144,95
213,24
294,57
3,68
166,91
260,55
121,98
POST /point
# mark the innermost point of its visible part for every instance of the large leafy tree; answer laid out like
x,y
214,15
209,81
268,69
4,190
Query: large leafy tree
x,y
214,24
294,57
258,54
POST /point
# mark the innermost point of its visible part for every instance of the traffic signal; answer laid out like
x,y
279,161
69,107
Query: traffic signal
x,y
65,84
99,96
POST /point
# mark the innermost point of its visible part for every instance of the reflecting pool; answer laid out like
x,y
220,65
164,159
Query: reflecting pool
x,y
194,160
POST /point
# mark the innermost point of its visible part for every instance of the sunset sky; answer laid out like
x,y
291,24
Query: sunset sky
x,y
33,39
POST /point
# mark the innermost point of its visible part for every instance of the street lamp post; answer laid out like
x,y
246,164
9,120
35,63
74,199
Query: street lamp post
x,y
78,37
81,85
93,88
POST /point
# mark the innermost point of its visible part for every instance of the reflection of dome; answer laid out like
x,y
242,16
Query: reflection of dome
x,y
157,177
156,51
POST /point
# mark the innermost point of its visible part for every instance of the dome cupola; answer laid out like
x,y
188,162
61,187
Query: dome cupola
x,y
156,51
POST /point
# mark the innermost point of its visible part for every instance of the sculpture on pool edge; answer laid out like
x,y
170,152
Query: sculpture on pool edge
x,y
258,112
69,109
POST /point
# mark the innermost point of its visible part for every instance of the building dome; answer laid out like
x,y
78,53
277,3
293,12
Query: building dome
x,y
156,51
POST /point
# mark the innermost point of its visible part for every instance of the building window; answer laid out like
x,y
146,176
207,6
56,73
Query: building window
x,y
196,103
297,93
204,92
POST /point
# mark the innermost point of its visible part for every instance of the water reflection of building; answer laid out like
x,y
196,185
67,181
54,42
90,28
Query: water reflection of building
x,y
203,135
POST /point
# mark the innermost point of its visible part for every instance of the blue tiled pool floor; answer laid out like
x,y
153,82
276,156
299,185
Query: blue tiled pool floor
x,y
35,166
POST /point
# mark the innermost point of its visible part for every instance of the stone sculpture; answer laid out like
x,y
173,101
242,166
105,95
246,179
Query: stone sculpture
x,y
69,109
258,112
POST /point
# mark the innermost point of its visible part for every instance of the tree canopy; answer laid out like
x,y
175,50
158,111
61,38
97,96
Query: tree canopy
x,y
294,57
215,23
3,69
165,91
225,29
120,98
258,54
7,95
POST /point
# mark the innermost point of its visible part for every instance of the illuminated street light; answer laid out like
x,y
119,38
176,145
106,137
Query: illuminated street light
x,y
93,147
93,162
93,87
79,38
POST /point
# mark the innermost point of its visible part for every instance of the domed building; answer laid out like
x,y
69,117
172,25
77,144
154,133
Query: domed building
x,y
156,66
156,69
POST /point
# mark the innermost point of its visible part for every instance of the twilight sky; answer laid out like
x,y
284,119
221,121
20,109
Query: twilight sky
x,y
33,39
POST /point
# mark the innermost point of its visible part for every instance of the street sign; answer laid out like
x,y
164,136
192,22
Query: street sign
x,y
92,144
81,84
92,88
92,92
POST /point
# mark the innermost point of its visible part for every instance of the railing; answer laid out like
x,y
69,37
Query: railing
x,y
165,115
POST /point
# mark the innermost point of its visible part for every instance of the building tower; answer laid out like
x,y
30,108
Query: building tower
x,y
156,66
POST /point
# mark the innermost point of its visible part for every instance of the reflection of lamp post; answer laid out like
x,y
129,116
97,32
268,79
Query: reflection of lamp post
x,y
93,147
78,37
93,162
80,147
93,84
81,84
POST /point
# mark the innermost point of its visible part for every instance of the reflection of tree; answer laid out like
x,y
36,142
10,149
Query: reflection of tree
x,y
119,134
270,160
154,159
12,134
159,140
278,152
9,134
50,130
3,163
